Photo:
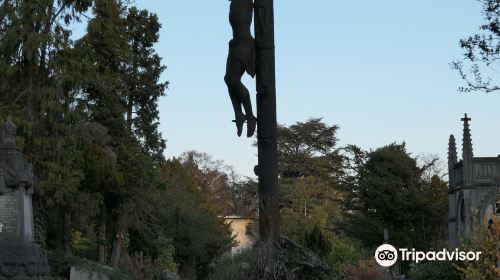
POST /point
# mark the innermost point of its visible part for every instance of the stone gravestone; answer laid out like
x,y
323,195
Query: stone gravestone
x,y
84,274
20,257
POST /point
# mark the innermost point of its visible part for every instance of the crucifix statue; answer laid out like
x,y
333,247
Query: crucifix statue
x,y
256,57
241,59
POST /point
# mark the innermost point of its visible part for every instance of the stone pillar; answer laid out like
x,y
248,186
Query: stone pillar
x,y
20,256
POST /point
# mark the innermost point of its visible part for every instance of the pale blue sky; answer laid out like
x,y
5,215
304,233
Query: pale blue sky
x,y
378,69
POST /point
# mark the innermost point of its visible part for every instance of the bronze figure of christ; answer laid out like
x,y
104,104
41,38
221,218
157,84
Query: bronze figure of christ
x,y
241,59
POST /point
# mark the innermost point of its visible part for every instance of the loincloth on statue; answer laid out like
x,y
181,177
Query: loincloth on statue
x,y
243,49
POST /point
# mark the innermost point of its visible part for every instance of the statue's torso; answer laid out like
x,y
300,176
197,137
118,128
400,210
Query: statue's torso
x,y
240,17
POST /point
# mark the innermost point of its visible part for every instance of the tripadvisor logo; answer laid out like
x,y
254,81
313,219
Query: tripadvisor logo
x,y
387,255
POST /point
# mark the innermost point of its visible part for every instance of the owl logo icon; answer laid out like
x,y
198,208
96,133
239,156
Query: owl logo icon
x,y
386,255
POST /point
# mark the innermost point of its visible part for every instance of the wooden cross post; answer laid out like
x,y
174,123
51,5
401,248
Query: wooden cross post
x,y
267,168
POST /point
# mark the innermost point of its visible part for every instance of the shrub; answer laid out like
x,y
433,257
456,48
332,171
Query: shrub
x,y
60,267
282,259
485,239
318,242
231,265
343,252
442,270
365,270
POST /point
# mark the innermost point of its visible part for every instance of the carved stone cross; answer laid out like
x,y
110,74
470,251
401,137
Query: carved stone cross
x,y
466,119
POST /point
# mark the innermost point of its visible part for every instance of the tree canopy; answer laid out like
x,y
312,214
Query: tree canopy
x,y
88,119
481,52
393,194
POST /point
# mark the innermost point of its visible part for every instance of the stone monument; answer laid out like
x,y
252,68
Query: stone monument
x,y
20,256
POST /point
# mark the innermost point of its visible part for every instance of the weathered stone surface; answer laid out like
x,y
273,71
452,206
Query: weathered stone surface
x,y
10,211
172,276
84,274
474,183
16,222
23,260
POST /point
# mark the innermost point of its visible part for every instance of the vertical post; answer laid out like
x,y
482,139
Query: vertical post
x,y
267,169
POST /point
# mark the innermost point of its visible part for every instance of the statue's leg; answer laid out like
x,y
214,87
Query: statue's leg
x,y
239,94
237,91
231,72
232,78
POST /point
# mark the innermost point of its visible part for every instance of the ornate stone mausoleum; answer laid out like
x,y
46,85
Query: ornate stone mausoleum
x,y
474,186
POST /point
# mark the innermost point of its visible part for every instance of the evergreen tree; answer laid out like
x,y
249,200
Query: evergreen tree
x,y
87,113
34,38
308,149
391,194
310,166
125,74
143,88
180,210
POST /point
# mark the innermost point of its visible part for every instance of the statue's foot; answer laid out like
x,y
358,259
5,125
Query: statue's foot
x,y
240,120
251,124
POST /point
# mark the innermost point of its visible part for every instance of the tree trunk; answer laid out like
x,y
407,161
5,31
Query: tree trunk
x,y
267,168
130,107
305,208
67,233
188,270
101,247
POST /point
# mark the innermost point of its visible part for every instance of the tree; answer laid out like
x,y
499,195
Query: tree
x,y
482,52
142,75
38,92
215,178
308,149
32,35
307,203
179,209
87,112
105,48
122,95
391,193
309,165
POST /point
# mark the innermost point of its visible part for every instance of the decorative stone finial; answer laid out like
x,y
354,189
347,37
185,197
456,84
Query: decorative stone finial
x,y
9,132
467,141
467,154
452,151
452,161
